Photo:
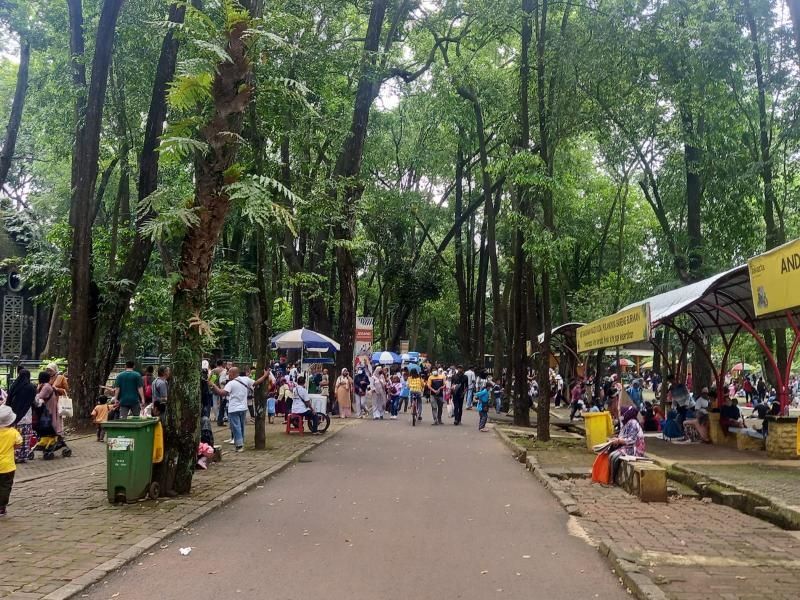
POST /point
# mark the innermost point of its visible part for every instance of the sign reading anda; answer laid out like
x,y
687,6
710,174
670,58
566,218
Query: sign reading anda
x,y
624,327
775,279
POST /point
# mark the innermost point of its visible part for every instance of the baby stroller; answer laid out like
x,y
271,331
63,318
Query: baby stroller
x,y
48,441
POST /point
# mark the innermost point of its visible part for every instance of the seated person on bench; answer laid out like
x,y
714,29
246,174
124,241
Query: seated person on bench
x,y
301,404
630,441
697,428
730,417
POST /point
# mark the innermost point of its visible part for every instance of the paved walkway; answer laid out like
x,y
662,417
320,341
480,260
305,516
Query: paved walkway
x,y
61,527
382,511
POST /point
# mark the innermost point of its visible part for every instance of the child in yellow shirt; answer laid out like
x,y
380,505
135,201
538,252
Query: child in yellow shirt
x,y
100,415
9,438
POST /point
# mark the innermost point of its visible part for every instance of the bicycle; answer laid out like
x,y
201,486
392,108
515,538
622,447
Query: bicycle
x,y
323,422
415,404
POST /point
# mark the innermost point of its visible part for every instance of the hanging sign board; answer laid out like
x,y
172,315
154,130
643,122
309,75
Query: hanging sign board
x,y
775,279
363,345
624,327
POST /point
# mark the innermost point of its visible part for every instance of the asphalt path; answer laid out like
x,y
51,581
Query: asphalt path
x,y
381,511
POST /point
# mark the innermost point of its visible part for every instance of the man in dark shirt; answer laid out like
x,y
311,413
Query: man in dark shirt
x,y
459,383
129,391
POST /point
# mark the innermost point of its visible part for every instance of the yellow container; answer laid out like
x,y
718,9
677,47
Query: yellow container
x,y
599,428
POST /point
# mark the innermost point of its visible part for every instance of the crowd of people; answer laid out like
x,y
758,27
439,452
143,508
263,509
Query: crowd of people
x,y
684,415
30,412
382,391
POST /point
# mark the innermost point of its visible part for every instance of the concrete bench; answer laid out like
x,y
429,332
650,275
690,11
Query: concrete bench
x,y
645,480
748,442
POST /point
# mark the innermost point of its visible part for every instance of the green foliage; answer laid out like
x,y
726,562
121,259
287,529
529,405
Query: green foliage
x,y
627,88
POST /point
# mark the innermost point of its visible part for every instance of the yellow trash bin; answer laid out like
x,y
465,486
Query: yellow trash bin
x,y
599,428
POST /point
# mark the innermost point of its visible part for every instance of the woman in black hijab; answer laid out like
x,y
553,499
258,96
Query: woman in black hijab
x,y
20,399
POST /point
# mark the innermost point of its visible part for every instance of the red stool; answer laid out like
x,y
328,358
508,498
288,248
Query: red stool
x,y
298,428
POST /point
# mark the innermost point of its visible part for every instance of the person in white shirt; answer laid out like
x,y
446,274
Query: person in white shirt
x,y
702,402
236,391
301,404
470,375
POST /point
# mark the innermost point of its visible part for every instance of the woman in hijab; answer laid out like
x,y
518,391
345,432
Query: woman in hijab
x,y
631,438
360,387
344,394
379,393
47,395
20,398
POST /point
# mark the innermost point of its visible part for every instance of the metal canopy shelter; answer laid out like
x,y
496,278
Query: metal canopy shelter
x,y
722,305
562,337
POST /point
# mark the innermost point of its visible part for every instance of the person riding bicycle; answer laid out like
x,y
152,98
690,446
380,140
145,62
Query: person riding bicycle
x,y
415,386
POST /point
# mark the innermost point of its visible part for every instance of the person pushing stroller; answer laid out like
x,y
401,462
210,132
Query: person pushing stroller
x,y
47,422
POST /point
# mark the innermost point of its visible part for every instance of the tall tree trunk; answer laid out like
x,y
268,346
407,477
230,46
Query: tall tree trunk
x,y
413,336
231,91
519,347
498,318
53,344
794,9
17,106
775,233
345,190
488,242
114,309
479,331
89,105
464,317
547,154
263,310
694,201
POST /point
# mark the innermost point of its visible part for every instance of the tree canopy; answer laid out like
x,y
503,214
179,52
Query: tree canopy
x,y
190,177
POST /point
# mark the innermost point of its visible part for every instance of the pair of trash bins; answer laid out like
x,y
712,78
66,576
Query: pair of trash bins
x,y
133,446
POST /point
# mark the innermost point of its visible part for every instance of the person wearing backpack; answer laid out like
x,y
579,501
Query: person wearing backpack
x,y
147,381
236,392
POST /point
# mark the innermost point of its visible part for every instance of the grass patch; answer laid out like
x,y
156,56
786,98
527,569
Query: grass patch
x,y
560,443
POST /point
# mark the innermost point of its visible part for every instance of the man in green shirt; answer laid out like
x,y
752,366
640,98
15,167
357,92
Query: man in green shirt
x,y
129,391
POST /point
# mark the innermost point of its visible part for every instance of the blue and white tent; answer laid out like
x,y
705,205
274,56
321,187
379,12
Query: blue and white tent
x,y
304,339
386,358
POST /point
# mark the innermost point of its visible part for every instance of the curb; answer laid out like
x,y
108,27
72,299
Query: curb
x,y
740,498
628,572
567,502
638,584
96,574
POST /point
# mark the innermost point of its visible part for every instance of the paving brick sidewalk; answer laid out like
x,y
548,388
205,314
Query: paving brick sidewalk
x,y
688,549
61,526
86,451
692,550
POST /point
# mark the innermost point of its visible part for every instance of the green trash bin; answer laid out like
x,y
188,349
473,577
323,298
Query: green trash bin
x,y
129,458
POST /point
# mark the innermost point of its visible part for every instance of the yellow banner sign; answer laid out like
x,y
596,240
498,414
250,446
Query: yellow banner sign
x,y
625,327
775,279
